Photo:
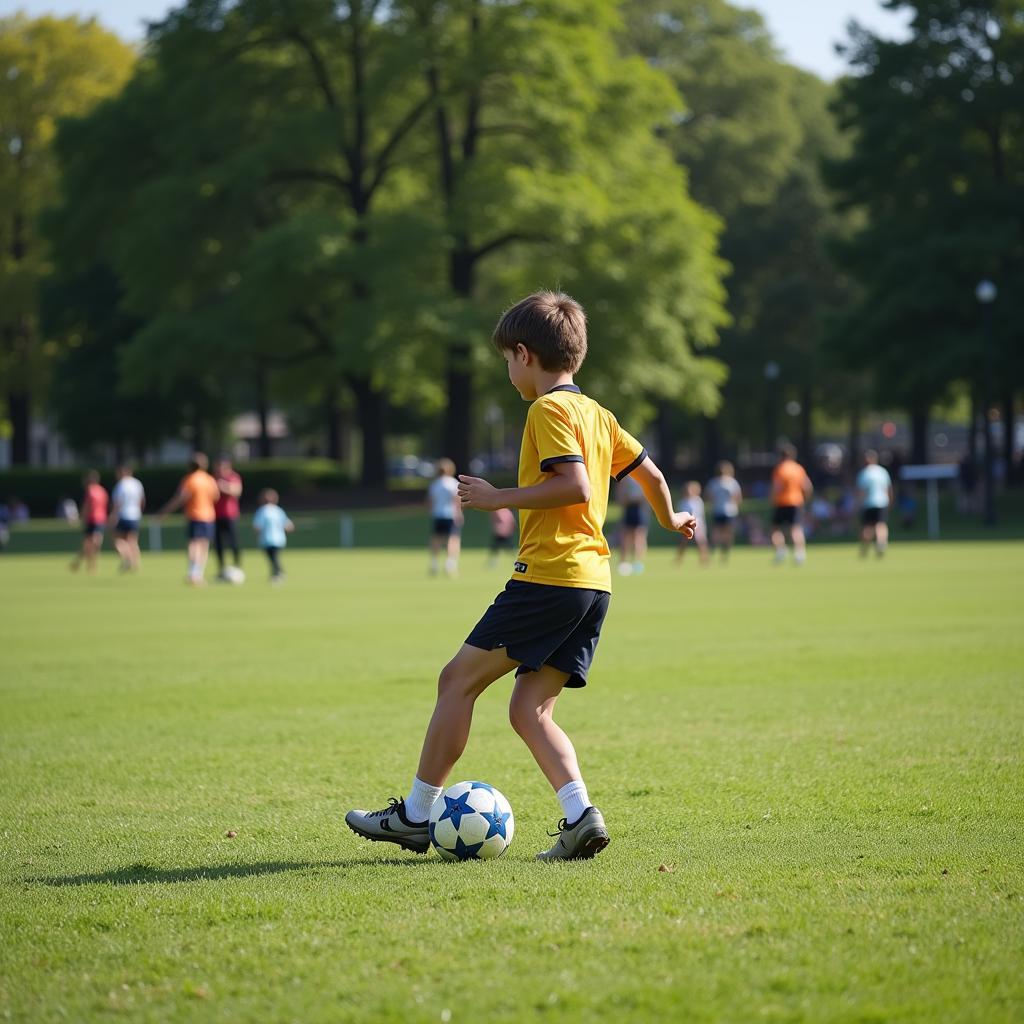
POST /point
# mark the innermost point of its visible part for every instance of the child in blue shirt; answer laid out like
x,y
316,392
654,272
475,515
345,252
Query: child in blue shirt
x,y
272,525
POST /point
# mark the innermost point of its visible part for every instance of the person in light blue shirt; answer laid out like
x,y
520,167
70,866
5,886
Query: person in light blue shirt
x,y
874,489
272,526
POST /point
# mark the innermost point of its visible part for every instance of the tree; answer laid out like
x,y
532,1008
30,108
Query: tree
x,y
260,143
50,68
751,135
549,171
936,175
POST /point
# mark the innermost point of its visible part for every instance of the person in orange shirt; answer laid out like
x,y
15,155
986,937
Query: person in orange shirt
x,y
791,487
94,518
198,492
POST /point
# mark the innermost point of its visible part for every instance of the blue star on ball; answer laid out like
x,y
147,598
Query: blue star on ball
x,y
466,851
455,809
495,822
481,785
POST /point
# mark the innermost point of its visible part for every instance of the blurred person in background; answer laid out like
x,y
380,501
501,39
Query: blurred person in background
x,y
724,496
66,509
874,491
272,526
128,499
633,528
446,518
693,504
95,502
198,493
791,487
226,509
503,525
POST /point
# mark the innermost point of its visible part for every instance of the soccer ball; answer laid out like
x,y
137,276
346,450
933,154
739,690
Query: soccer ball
x,y
233,574
471,821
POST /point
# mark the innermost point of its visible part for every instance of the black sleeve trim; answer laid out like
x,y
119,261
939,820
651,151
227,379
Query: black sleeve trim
x,y
633,465
546,464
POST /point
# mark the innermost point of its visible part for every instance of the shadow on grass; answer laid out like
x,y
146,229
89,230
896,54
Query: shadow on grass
x,y
145,874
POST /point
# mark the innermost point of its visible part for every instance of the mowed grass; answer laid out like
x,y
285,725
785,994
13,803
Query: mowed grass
x,y
813,780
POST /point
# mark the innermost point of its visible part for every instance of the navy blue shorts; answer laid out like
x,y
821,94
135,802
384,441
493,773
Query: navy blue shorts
x,y
198,529
127,526
443,527
634,516
538,624
786,515
91,528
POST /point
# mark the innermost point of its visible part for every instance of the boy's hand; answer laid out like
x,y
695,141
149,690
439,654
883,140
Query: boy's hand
x,y
477,493
684,523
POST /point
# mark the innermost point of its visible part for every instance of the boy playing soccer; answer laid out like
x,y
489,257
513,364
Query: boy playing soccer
x,y
545,624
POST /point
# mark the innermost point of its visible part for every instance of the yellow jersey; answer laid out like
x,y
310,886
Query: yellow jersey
x,y
566,547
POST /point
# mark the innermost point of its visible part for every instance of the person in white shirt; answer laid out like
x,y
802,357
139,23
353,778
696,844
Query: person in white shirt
x,y
446,515
874,488
127,500
724,496
693,503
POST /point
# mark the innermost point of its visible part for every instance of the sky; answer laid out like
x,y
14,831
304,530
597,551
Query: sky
x,y
805,30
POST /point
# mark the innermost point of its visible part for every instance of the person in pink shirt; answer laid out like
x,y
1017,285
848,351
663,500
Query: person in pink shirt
x,y
95,506
227,511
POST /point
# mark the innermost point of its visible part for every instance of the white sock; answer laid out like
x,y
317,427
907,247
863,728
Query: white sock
x,y
574,800
420,799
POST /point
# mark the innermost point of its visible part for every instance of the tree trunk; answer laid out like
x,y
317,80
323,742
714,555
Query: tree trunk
x,y
332,415
712,446
666,437
972,434
371,405
1008,429
458,417
198,431
919,435
266,442
18,406
854,440
806,433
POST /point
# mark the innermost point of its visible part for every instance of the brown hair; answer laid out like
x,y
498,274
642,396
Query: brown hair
x,y
552,325
725,468
198,461
269,496
445,467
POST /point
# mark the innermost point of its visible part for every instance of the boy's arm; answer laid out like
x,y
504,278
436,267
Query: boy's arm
x,y
659,497
568,484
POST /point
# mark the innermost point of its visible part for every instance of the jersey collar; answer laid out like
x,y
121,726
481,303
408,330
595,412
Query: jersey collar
x,y
565,387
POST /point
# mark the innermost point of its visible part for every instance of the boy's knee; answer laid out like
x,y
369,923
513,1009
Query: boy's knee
x,y
455,682
522,712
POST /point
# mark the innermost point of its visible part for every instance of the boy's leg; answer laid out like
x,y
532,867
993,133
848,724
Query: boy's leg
x,y
531,711
236,551
796,533
219,528
582,833
462,680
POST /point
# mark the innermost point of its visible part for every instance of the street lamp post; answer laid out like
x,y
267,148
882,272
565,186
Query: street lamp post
x,y
986,293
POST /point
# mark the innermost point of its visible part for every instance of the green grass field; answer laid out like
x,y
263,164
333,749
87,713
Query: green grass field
x,y
827,763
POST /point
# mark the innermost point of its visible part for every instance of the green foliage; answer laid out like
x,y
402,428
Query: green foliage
x,y
50,69
317,176
751,133
937,176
